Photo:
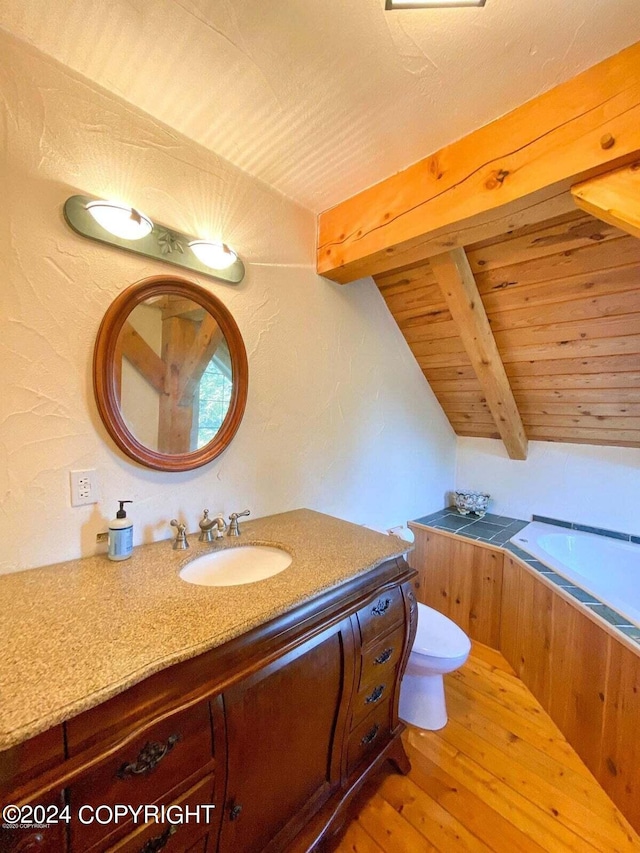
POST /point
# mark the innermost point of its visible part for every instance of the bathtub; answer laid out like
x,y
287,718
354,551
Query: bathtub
x,y
607,568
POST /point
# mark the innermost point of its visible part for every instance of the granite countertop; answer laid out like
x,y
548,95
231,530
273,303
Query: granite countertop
x,y
77,633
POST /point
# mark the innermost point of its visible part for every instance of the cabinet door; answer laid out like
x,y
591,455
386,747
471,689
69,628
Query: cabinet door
x,y
285,729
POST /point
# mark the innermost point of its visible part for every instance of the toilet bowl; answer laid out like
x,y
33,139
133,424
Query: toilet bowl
x,y
440,646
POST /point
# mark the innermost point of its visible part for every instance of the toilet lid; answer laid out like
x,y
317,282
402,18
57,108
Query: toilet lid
x,y
438,636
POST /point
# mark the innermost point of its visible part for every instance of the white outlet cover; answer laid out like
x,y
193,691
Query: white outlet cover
x,y
85,487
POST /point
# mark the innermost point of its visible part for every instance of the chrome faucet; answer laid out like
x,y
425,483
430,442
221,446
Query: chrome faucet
x,y
180,543
207,525
234,530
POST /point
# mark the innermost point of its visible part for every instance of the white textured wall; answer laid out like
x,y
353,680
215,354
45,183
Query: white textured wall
x,y
321,98
573,482
339,417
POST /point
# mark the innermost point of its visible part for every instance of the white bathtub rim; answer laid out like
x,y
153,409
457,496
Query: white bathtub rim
x,y
526,540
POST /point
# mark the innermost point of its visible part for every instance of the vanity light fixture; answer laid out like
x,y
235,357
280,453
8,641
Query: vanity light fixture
x,y
127,228
431,4
120,220
218,256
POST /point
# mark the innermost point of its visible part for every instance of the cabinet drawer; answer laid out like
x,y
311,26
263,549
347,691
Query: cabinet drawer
x,y
51,839
21,763
146,766
174,838
369,735
372,695
380,659
380,614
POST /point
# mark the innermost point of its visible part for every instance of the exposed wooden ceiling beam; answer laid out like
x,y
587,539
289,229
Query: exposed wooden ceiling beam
x,y
454,275
511,169
613,197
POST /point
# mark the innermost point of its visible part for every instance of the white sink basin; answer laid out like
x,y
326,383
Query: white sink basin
x,y
235,566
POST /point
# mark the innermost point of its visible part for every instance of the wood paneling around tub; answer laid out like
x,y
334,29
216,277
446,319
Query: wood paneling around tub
x,y
563,302
586,679
462,581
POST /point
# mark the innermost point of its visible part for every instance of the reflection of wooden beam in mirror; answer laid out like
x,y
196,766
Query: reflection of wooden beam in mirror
x,y
189,338
174,428
137,351
202,351
175,306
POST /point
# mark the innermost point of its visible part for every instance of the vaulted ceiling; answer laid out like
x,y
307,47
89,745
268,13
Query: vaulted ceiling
x,y
523,312
563,302
322,98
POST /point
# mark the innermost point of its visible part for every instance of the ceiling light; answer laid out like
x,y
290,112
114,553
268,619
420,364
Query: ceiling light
x,y
120,220
431,4
218,256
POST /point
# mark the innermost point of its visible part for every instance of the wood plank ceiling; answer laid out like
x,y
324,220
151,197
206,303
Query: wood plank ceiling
x,y
563,302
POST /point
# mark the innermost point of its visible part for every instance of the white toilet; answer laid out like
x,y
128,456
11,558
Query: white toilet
x,y
439,647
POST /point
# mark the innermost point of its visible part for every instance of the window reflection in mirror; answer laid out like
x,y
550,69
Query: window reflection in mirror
x,y
173,374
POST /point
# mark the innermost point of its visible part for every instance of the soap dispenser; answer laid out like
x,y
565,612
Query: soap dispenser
x,y
120,535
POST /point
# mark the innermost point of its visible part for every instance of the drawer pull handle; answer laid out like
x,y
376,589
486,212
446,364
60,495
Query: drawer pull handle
x,y
370,735
235,812
377,693
148,758
384,657
32,842
153,845
381,607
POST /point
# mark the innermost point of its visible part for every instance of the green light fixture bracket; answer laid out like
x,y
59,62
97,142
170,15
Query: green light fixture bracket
x,y
160,243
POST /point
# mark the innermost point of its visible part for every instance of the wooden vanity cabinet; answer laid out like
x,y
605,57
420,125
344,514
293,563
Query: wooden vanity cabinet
x,y
277,729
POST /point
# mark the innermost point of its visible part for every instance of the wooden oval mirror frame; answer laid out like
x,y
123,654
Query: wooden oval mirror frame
x,y
106,386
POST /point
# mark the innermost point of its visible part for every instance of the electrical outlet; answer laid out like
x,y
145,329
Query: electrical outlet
x,y
84,487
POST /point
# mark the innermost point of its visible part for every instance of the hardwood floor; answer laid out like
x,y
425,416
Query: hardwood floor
x,y
499,777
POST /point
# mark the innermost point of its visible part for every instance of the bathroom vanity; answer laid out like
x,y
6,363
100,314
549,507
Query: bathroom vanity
x,y
277,723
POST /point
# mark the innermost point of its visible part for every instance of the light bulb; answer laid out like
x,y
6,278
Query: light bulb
x,y
218,256
120,220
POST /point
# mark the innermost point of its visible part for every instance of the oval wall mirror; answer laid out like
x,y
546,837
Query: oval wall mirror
x,y
170,374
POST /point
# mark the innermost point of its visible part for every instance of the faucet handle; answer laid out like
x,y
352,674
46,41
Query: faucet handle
x,y
234,530
180,543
